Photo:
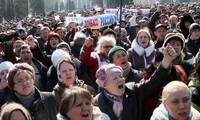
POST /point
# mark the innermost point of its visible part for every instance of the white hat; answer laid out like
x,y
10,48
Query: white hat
x,y
5,65
59,55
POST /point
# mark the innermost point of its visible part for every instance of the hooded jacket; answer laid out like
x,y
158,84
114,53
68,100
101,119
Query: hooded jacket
x,y
185,30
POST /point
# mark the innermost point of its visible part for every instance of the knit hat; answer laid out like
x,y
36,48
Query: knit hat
x,y
59,55
5,65
177,36
193,27
113,50
13,70
108,31
65,45
104,72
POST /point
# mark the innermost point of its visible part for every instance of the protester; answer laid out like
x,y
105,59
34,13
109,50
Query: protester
x,y
118,56
192,43
176,103
4,90
177,41
118,99
194,86
15,111
142,50
41,105
185,23
74,96
94,59
52,42
66,73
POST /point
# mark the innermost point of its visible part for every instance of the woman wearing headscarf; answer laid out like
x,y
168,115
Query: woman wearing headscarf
x,y
66,73
125,102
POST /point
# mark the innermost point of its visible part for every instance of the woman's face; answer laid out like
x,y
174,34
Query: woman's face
x,y
178,103
115,84
67,74
17,115
61,33
106,46
23,83
81,110
176,44
120,58
143,39
53,42
195,34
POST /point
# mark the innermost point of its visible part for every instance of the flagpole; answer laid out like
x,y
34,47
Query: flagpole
x,y
120,20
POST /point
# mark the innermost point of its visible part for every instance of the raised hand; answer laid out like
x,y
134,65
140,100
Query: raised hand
x,y
169,55
89,42
31,41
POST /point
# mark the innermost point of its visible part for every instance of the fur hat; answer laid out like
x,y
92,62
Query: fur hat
x,y
65,45
13,70
113,50
59,55
193,27
104,72
5,65
178,36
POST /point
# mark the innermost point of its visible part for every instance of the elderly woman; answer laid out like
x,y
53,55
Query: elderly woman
x,y
125,102
66,73
94,60
41,105
77,104
15,111
118,56
142,50
4,90
176,103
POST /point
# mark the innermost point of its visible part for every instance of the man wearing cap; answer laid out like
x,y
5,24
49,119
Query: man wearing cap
x,y
160,33
157,18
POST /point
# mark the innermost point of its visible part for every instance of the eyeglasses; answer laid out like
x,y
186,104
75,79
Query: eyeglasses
x,y
20,81
108,46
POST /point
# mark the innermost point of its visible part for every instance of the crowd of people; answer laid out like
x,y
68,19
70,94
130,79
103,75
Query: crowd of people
x,y
140,68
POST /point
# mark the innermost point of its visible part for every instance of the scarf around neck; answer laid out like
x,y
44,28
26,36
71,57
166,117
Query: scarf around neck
x,y
117,103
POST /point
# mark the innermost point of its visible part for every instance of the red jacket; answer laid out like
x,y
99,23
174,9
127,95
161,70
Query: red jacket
x,y
90,60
